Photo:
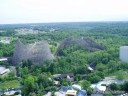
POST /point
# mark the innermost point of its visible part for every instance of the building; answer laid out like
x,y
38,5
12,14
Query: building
x,y
76,87
4,71
74,90
81,93
90,69
123,53
3,59
83,76
68,76
101,87
65,88
5,41
71,93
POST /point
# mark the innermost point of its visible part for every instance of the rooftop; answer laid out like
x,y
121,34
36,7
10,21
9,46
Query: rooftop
x,y
124,47
3,59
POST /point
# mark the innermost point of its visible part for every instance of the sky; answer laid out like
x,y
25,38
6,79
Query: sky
x,y
41,11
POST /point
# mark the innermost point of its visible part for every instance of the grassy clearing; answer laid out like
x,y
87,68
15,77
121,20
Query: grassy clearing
x,y
121,74
9,84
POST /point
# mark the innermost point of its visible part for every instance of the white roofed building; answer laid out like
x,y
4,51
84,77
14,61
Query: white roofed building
x,y
77,87
3,59
99,87
4,71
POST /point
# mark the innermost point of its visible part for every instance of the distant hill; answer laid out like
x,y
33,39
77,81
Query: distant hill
x,y
84,42
36,52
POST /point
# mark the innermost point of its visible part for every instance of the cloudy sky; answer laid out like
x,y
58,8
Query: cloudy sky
x,y
39,11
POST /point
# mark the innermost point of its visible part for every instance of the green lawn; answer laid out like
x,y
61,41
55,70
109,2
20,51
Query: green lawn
x,y
120,74
9,84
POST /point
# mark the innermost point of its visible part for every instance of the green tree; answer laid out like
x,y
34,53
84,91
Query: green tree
x,y
65,82
100,67
24,71
85,84
77,77
11,75
101,74
32,94
112,65
120,75
29,85
1,53
114,86
81,70
89,91
93,78
53,93
124,87
44,80
107,94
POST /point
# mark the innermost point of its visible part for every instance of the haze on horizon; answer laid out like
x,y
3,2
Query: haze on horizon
x,y
41,11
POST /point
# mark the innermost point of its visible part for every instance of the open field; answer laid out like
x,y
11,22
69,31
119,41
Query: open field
x,y
9,84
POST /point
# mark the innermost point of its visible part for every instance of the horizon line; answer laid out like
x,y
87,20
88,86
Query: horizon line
x,y
61,22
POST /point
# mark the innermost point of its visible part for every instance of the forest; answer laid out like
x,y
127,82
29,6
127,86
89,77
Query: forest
x,y
74,47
